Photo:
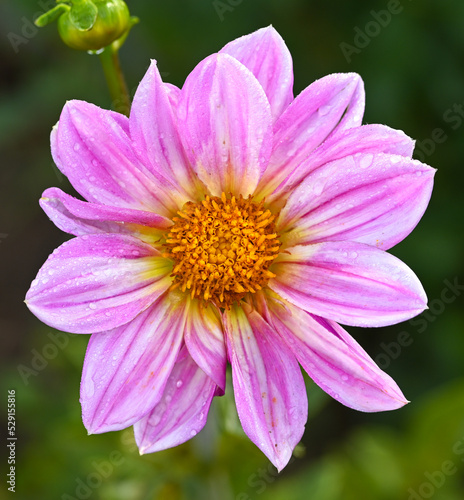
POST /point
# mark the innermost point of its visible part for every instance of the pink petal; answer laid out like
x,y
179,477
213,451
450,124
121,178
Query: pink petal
x,y
204,338
126,369
182,411
92,147
173,93
376,199
328,106
225,124
97,282
269,389
154,131
79,217
335,361
365,139
351,283
265,54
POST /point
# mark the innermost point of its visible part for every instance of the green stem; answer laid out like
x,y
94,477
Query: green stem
x,y
115,79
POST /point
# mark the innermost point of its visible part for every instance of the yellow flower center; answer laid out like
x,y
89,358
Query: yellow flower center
x,y
222,248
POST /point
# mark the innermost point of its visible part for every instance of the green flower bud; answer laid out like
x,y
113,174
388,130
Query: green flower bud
x,y
92,25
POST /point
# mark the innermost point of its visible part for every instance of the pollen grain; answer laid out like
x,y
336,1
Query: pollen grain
x,y
222,248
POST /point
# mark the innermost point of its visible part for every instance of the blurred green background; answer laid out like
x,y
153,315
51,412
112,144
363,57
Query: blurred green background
x,y
411,57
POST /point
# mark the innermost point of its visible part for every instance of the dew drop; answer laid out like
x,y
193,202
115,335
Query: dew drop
x,y
366,161
92,305
89,387
77,146
318,187
193,433
323,110
179,384
344,377
155,420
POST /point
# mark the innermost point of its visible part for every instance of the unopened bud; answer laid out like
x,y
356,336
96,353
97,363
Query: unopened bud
x,y
90,29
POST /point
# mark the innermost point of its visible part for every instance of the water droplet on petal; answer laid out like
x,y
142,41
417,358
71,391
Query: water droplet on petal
x,y
193,433
89,387
77,146
155,420
92,305
323,110
179,384
366,160
318,187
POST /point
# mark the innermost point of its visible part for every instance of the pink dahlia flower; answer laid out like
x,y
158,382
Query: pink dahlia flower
x,y
229,222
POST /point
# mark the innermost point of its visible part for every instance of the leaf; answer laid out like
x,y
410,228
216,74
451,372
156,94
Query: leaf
x,y
51,15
